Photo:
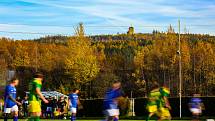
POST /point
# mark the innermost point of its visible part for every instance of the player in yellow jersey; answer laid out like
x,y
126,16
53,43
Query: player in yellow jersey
x,y
35,96
164,106
153,101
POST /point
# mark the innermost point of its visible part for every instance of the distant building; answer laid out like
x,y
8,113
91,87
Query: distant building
x,y
170,29
130,31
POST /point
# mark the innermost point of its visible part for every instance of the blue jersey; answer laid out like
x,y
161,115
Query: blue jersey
x,y
73,100
9,90
196,102
110,98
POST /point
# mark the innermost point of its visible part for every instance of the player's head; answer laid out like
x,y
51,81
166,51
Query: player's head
x,y
165,85
38,76
155,85
62,98
116,84
75,90
14,81
50,98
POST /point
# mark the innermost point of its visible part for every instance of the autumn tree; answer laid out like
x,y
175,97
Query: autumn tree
x,y
81,64
21,57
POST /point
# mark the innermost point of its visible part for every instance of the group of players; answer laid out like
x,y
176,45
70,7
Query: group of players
x,y
34,97
158,103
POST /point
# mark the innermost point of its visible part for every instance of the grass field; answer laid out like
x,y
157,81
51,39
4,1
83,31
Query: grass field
x,y
91,120
87,120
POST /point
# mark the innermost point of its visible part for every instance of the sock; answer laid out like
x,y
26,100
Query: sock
x,y
73,118
148,118
31,118
15,118
37,118
115,119
5,118
34,118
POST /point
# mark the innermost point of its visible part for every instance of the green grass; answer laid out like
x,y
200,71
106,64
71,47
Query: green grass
x,y
86,120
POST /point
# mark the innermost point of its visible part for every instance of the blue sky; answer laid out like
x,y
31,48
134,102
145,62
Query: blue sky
x,y
103,16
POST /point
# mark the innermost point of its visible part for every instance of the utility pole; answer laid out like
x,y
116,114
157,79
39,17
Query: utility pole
x,y
180,66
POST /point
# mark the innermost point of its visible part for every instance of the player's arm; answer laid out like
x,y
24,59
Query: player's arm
x,y
8,91
79,102
14,100
167,102
41,95
119,95
202,106
69,103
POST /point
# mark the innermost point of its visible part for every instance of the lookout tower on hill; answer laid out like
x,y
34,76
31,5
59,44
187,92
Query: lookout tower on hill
x,y
170,29
130,30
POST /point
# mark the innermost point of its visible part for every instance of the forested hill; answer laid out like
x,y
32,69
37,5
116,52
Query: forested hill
x,y
93,62
125,37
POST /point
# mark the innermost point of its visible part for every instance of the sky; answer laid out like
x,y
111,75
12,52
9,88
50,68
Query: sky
x,y
30,19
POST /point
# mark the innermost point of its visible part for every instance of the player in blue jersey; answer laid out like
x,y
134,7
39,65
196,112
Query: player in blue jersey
x,y
196,106
10,105
73,103
111,102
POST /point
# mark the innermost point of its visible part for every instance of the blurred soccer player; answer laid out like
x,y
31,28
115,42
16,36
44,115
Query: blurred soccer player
x,y
49,109
153,101
25,106
35,94
10,105
196,106
111,103
73,103
164,106
61,104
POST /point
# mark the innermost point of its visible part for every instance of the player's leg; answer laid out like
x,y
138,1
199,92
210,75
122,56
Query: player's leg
x,y
6,116
35,111
35,116
195,117
149,116
116,115
108,115
116,118
152,111
74,111
15,111
15,116
164,114
109,118
113,114
196,113
73,118
47,112
7,111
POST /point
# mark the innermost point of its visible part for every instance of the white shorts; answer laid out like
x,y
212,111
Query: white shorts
x,y
73,110
112,112
13,109
196,110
